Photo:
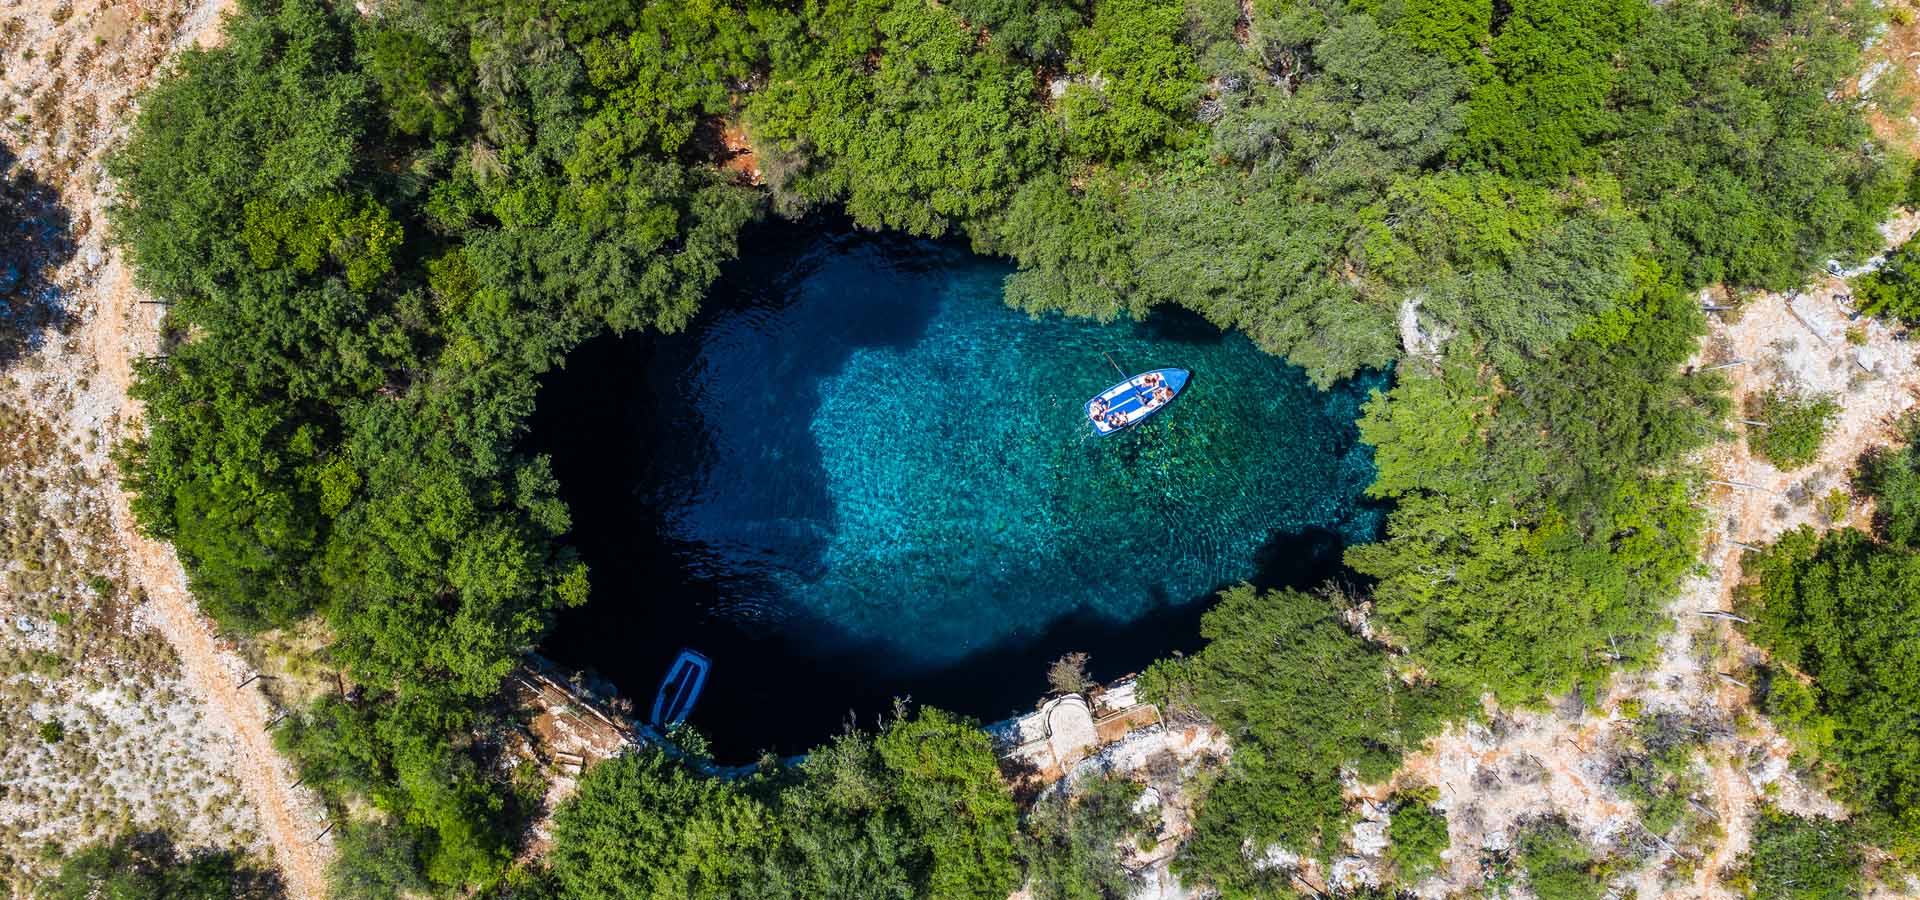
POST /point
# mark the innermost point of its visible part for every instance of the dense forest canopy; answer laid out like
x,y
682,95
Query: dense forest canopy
x,y
378,229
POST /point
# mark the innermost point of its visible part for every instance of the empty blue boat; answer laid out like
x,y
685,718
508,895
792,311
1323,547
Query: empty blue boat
x,y
1131,401
680,689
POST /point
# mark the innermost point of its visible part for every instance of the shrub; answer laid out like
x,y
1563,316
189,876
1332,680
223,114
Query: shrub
x,y
1800,858
52,732
1834,506
1893,290
150,867
1418,834
1656,773
1559,865
1796,426
1068,674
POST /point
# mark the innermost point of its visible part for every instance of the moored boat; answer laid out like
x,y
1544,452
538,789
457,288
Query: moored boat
x,y
680,690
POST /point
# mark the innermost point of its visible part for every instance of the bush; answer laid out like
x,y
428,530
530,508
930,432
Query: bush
x,y
1418,833
1075,839
1796,426
1656,772
1559,865
1893,290
1800,858
149,867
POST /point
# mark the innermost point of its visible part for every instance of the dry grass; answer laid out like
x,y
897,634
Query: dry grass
x,y
78,659
81,656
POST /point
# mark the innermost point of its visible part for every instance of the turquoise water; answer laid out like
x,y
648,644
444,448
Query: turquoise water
x,y
859,460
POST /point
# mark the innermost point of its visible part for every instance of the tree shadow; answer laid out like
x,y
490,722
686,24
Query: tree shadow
x,y
35,241
152,864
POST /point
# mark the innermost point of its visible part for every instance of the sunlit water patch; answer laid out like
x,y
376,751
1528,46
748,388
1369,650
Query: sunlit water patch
x,y
860,475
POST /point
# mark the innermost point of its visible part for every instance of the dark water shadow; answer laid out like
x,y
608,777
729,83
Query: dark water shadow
x,y
35,241
593,425
1179,325
779,691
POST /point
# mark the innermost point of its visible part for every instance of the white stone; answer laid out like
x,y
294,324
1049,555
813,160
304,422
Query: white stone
x,y
1872,76
1369,838
1350,872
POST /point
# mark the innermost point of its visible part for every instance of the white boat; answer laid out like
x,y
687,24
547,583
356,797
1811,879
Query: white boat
x,y
680,690
1131,401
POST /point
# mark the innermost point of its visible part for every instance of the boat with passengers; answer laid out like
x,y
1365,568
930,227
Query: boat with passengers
x,y
1131,401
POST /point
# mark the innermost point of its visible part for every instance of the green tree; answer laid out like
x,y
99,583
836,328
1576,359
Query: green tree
x,y
679,61
1459,30
1135,80
1892,290
893,108
1892,476
377,233
950,788
1539,499
1839,609
643,826
1746,173
844,834
1037,29
1553,69
422,89
1376,108
1302,698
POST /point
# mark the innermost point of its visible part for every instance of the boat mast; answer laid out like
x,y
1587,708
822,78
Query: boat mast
x,y
1125,377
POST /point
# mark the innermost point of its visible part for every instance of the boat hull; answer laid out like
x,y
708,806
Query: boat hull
x,y
680,690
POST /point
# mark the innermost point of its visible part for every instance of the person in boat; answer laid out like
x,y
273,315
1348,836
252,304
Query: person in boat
x,y
1151,379
1098,408
1163,394
1117,419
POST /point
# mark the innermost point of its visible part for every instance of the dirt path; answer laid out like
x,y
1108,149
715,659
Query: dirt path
x,y
292,822
291,817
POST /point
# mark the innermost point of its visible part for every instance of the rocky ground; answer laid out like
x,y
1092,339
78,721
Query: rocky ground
x,y
1524,766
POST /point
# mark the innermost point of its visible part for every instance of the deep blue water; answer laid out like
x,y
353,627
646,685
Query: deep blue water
x,y
860,475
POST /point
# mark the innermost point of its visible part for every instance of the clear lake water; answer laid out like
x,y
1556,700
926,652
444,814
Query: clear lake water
x,y
860,475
